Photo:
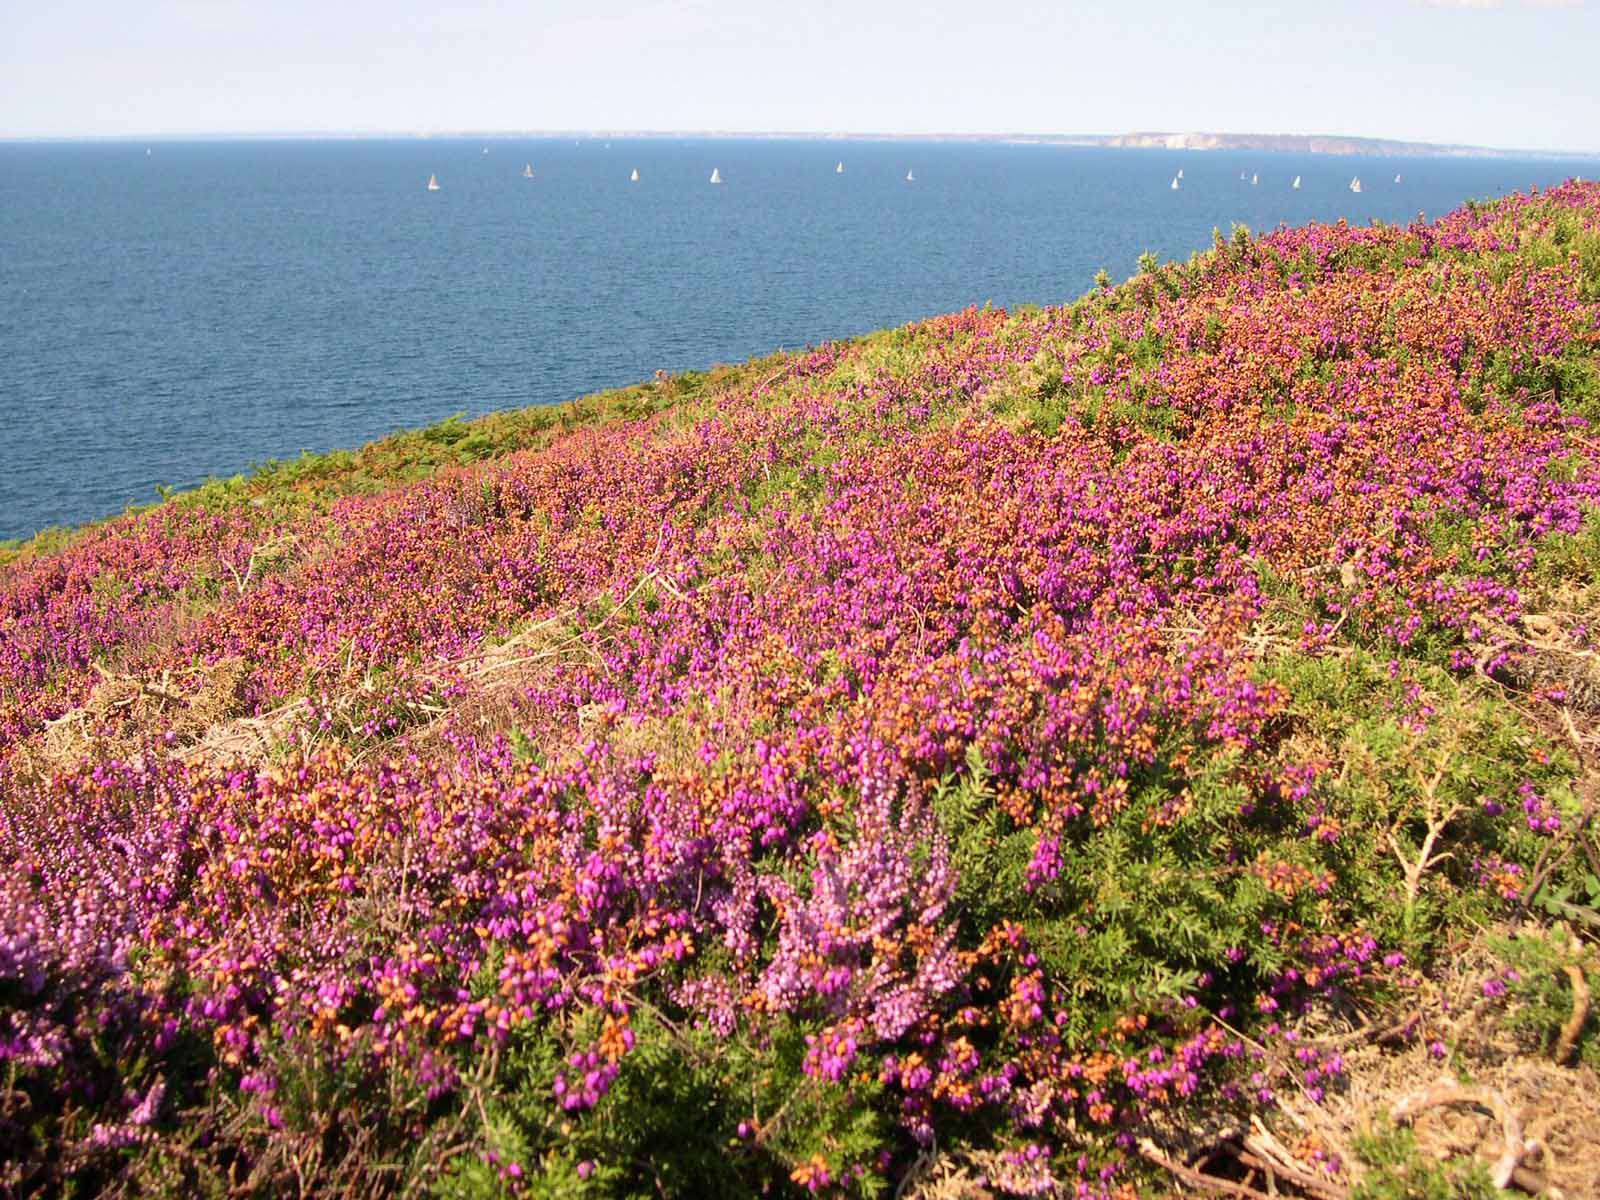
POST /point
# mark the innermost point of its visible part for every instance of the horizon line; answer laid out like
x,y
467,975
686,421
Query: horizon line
x,y
1086,140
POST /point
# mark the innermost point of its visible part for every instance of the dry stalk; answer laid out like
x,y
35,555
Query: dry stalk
x,y
1199,1179
1408,1108
1568,1041
1437,822
1272,1155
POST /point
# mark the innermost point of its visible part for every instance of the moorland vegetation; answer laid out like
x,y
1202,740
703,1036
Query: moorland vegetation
x,y
1021,753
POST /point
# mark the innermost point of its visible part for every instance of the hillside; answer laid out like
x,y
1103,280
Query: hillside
x,y
1110,749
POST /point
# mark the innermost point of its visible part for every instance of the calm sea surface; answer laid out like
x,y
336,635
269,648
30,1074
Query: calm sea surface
x,y
185,312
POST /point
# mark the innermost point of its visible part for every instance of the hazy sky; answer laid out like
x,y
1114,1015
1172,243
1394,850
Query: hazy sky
x,y
1519,73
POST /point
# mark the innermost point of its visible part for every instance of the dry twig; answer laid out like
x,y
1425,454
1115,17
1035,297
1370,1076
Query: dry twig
x,y
1408,1108
1568,1041
1199,1179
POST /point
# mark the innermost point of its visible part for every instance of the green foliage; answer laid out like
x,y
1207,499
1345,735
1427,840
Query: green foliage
x,y
670,1123
1183,879
1397,1170
1539,990
1148,903
1570,378
1423,779
1563,559
988,855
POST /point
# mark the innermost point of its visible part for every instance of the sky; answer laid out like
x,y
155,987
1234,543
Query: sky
x,y
1505,73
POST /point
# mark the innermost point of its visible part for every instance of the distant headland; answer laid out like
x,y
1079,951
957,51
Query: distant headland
x,y
1309,144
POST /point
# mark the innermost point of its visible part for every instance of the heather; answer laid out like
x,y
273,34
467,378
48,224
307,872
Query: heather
x,y
987,757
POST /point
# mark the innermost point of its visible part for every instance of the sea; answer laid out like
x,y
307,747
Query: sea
x,y
174,310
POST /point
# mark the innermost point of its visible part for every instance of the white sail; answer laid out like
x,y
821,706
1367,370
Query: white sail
x,y
1180,172
1174,183
527,171
1355,184
433,183
1254,179
911,176
839,170
1296,183
634,178
1397,179
716,175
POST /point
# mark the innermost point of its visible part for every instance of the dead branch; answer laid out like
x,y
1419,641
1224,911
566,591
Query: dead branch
x,y
1408,1108
1301,1179
1199,1179
1568,1041
1437,823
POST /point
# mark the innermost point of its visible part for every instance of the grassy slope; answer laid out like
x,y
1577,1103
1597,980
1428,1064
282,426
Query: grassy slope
x,y
311,481
1192,737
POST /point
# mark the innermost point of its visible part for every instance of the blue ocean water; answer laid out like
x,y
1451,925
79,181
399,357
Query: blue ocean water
x,y
185,312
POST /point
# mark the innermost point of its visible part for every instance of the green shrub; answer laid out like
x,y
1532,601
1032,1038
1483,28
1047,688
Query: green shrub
x,y
1396,1170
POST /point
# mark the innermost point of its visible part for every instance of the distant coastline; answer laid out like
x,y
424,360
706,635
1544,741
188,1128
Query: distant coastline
x,y
1269,143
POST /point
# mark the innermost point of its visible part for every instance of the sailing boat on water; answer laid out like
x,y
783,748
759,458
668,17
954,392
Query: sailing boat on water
x,y
911,176
1175,179
1355,184
634,178
1397,179
839,170
1254,179
527,171
433,183
1180,172
1296,184
716,175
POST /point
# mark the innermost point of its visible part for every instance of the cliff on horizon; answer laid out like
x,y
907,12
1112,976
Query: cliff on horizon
x,y
1297,144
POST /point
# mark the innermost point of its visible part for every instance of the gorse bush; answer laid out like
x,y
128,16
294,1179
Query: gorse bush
x,y
961,753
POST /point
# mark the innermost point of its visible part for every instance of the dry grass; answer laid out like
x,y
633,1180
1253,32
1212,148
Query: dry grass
x,y
1484,1090
125,713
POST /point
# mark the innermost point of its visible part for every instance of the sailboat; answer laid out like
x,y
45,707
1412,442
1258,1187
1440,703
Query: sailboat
x,y
1355,184
1174,183
1397,179
527,171
1180,172
433,183
634,178
839,170
1241,176
486,149
716,175
1296,184
911,176
1254,179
